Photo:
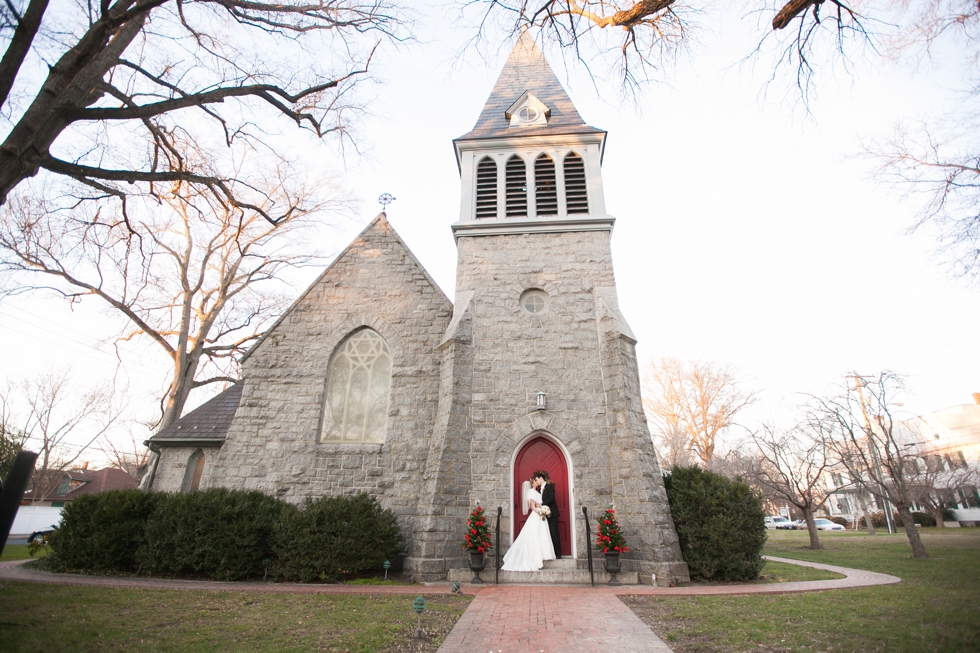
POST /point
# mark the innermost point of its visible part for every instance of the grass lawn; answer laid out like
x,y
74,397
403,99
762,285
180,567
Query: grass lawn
x,y
19,552
65,618
935,608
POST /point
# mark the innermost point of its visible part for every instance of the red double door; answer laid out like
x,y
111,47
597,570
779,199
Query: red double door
x,y
541,453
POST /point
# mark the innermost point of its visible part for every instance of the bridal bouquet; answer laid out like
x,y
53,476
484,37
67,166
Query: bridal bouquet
x,y
545,512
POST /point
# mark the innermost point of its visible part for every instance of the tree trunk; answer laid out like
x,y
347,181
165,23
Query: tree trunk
x,y
867,515
811,527
918,550
937,514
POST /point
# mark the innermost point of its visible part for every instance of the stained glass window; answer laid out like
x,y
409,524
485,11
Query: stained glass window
x,y
358,386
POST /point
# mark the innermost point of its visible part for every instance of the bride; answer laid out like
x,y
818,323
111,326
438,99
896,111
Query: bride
x,y
533,546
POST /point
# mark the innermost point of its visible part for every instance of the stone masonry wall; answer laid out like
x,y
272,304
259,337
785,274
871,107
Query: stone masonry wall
x,y
172,466
588,376
273,445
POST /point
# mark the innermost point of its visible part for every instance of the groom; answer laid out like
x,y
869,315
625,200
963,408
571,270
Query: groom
x,y
548,499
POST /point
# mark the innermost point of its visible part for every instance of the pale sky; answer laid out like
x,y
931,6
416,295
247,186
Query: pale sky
x,y
747,233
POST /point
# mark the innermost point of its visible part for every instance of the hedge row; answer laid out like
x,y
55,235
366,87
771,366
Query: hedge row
x,y
720,524
224,534
878,519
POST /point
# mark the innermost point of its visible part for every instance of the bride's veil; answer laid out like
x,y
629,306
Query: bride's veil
x,y
525,499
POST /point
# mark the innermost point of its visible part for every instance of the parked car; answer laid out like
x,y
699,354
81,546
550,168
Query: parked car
x,y
775,521
38,537
821,524
788,525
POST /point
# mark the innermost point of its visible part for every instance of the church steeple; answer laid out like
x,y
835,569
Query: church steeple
x,y
530,164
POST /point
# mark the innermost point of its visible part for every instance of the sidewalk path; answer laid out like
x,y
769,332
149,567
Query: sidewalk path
x,y
552,618
13,570
852,578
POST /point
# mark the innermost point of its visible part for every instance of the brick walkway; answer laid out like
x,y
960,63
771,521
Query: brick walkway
x,y
552,618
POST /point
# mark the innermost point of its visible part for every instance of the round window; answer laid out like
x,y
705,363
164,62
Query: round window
x,y
535,301
528,114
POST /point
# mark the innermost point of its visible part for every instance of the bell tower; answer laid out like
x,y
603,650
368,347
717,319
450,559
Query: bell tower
x,y
538,367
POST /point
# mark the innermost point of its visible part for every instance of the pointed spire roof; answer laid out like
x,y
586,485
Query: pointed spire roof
x,y
527,70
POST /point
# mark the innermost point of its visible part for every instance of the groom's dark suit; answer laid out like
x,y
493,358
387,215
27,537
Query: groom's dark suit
x,y
548,499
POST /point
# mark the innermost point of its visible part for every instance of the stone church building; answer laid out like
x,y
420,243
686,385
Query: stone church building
x,y
374,381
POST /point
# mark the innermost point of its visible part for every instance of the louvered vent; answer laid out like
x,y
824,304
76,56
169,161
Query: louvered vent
x,y
576,193
486,188
516,187
545,190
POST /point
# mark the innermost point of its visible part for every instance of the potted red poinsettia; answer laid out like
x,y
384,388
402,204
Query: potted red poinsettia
x,y
610,539
477,541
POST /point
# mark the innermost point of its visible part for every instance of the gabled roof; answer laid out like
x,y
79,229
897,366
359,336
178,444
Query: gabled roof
x,y
380,223
527,70
102,480
209,421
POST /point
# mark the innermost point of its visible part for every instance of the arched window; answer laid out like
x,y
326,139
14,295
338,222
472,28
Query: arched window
x,y
516,187
545,191
486,188
358,386
576,191
193,473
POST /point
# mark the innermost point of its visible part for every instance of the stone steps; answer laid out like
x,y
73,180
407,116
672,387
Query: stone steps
x,y
566,571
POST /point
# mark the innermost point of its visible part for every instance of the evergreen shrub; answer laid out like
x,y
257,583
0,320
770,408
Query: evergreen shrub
x,y
224,534
720,524
102,532
335,537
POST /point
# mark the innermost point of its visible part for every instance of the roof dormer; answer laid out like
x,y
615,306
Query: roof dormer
x,y
527,110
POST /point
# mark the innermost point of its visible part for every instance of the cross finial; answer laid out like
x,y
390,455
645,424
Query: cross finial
x,y
385,200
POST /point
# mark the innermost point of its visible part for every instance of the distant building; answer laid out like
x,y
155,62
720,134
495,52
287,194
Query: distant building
x,y
942,441
56,488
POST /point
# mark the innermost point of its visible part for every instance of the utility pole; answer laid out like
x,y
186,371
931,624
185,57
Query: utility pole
x,y
880,479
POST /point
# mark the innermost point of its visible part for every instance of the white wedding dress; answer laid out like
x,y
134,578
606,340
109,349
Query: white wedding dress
x,y
533,545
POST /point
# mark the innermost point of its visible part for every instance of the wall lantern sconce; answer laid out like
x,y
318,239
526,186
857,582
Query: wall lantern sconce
x,y
542,401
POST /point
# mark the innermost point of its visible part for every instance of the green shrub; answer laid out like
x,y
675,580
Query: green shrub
x,y
224,534
839,520
877,520
334,537
948,514
101,532
720,523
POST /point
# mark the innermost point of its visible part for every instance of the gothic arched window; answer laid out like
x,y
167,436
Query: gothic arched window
x,y
576,191
545,191
358,386
193,473
486,188
516,181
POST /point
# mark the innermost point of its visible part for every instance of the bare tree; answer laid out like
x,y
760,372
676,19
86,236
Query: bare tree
x,y
133,86
941,165
193,275
60,423
793,465
939,480
127,453
701,398
867,439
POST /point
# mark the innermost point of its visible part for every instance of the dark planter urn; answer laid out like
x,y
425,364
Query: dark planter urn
x,y
612,567
477,563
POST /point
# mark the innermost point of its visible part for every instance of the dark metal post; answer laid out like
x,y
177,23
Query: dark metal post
x,y
496,566
588,543
13,491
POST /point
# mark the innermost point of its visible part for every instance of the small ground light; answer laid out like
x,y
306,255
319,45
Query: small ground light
x,y
419,607
387,566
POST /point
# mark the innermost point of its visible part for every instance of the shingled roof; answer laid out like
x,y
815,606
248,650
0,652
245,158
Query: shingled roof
x,y
209,421
527,70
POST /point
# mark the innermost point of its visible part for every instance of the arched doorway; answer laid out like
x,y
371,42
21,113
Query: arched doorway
x,y
541,453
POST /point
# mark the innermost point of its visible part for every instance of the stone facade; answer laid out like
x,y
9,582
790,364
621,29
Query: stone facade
x,y
580,352
273,445
466,376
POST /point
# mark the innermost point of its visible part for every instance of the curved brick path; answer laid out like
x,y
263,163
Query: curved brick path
x,y
509,618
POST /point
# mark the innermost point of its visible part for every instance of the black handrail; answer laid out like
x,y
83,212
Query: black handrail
x,y
588,543
496,567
